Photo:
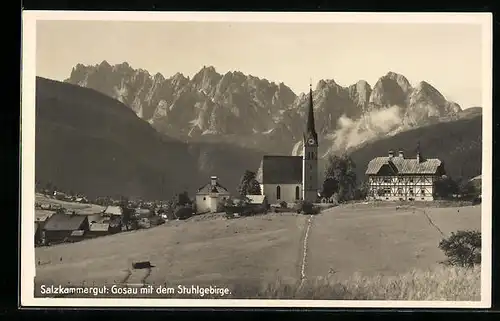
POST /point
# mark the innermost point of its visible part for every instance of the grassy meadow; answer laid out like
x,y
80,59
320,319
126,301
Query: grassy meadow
x,y
353,252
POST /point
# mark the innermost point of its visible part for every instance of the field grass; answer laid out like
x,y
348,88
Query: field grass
x,y
438,284
363,252
70,206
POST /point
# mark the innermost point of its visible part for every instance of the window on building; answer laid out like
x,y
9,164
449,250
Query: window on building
x,y
400,191
387,180
204,198
411,191
422,192
411,180
278,192
297,192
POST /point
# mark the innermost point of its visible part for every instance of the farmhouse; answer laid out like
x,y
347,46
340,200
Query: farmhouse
x,y
210,195
399,178
257,202
292,178
113,211
60,227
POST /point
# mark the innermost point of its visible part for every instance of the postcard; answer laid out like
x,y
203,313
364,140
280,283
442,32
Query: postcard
x,y
239,159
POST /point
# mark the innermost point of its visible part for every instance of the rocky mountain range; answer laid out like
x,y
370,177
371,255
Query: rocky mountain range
x,y
253,112
93,144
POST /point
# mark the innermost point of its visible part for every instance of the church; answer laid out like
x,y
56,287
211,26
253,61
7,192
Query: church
x,y
292,178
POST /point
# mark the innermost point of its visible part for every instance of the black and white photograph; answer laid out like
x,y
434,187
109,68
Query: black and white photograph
x,y
224,159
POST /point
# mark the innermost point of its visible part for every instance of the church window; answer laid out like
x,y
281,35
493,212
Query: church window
x,y
278,192
297,193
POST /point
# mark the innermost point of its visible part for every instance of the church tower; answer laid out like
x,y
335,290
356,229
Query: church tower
x,y
310,156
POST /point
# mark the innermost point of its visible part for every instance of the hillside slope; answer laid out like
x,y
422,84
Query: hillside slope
x,y
253,112
457,143
91,143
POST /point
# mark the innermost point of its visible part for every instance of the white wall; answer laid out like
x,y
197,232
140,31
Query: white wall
x,y
403,187
287,192
207,203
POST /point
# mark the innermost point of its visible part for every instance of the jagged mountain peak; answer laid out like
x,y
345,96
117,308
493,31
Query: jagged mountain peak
x,y
104,64
256,110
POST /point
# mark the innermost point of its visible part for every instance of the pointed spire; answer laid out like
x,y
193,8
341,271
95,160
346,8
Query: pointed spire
x,y
310,119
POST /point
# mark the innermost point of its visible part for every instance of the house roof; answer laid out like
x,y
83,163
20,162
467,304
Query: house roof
x,y
142,211
95,218
64,222
78,233
207,189
256,199
113,210
99,227
42,215
402,165
280,170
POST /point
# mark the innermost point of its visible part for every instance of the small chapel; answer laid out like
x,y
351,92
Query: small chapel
x,y
292,178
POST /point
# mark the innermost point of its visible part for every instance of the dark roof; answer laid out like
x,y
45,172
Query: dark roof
x,y
64,222
402,165
208,188
280,170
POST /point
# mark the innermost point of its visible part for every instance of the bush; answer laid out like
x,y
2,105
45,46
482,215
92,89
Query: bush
x,y
283,204
462,248
306,208
184,212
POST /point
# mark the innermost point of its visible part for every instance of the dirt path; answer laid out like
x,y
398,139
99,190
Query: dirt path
x,y
304,250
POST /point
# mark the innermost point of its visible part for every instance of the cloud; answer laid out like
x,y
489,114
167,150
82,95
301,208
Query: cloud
x,y
371,125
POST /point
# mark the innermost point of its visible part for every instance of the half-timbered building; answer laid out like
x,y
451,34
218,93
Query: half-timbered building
x,y
394,178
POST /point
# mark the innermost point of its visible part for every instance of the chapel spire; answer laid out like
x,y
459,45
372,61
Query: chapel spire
x,y
311,129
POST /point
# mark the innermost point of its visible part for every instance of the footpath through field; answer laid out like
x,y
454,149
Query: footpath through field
x,y
343,241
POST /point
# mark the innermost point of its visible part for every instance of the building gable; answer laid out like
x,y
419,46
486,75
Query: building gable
x,y
404,166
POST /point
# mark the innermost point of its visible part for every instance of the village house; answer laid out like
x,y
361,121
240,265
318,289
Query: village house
x,y
394,177
61,227
113,210
293,178
258,202
98,225
209,196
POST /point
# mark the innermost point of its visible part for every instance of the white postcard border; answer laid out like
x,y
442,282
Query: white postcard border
x,y
28,269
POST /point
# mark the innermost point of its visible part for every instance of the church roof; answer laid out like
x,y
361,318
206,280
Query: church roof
x,y
280,170
208,188
403,166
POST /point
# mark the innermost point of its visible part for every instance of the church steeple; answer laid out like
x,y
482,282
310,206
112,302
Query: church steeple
x,y
310,133
310,156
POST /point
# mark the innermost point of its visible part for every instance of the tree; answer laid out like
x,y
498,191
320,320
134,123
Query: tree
x,y
248,184
181,199
462,248
445,187
127,212
467,189
340,177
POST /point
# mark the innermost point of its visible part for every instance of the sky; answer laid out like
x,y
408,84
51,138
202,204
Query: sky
x,y
448,56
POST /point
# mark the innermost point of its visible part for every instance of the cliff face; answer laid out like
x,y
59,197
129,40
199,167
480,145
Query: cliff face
x,y
252,112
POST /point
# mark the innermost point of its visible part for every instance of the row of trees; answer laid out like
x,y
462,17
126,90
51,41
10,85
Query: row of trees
x,y
448,188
